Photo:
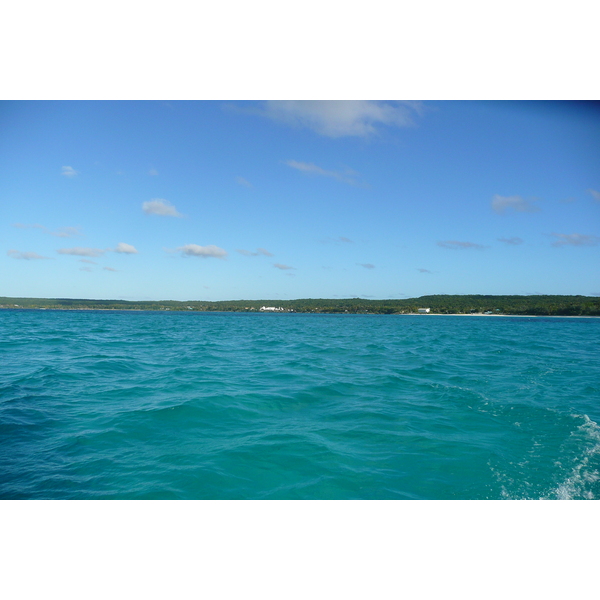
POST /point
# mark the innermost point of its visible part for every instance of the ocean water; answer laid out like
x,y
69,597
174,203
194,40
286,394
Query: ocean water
x,y
158,405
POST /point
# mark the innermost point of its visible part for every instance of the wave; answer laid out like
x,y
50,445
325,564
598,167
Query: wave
x,y
582,457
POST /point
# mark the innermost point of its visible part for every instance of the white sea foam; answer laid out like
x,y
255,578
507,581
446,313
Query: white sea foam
x,y
583,474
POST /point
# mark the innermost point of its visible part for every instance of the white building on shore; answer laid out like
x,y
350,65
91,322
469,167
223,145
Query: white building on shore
x,y
423,311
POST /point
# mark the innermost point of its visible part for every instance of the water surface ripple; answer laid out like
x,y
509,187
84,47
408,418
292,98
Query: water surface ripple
x,y
119,404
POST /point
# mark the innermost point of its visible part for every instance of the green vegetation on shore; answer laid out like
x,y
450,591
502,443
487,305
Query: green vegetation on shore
x,y
439,304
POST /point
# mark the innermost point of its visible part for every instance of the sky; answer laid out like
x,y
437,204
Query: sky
x,y
227,200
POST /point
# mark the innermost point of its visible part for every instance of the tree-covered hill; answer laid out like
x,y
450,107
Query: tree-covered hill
x,y
438,304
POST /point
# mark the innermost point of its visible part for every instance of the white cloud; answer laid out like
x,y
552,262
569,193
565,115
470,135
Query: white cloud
x,y
366,265
123,248
259,252
89,262
78,251
25,255
282,267
454,245
339,118
513,241
109,269
153,172
68,172
501,204
66,232
158,206
575,239
243,182
424,270
595,194
346,176
87,269
202,251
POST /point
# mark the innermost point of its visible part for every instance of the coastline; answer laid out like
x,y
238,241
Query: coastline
x,y
155,310
449,305
512,316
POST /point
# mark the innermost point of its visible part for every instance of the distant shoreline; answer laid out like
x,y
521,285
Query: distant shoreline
x,y
525,316
512,316
440,304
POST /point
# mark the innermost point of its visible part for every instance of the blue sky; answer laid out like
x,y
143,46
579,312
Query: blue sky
x,y
216,200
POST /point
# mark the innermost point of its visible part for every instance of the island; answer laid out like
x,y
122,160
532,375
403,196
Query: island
x,y
487,305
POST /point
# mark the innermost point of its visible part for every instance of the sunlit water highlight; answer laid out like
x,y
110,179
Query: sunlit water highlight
x,y
117,404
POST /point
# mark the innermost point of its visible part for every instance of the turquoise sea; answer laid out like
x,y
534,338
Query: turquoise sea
x,y
159,405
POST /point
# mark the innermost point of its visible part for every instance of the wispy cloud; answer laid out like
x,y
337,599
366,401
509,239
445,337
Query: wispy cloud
x,y
158,206
66,232
153,172
366,265
346,176
501,204
123,248
68,172
62,232
340,118
26,255
513,241
259,252
89,262
23,226
424,270
79,251
282,267
575,239
109,269
454,245
202,251
87,269
594,193
243,182
337,240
